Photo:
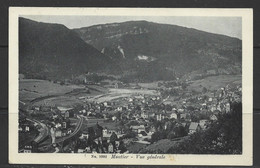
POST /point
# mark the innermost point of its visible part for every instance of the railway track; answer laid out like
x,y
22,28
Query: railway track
x,y
75,132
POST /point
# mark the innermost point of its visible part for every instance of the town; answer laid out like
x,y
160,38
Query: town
x,y
133,123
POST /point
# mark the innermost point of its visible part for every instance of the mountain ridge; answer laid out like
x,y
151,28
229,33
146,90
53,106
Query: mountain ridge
x,y
145,21
167,45
135,50
51,50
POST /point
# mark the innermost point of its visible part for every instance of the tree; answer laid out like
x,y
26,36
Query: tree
x,y
222,137
158,136
171,135
122,147
190,108
168,107
182,131
158,125
113,139
118,115
204,90
129,134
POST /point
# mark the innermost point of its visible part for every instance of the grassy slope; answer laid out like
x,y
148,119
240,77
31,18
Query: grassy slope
x,y
30,89
215,82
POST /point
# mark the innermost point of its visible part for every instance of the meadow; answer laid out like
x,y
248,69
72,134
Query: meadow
x,y
215,82
30,89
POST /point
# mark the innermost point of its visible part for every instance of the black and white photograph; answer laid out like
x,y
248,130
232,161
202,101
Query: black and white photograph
x,y
116,87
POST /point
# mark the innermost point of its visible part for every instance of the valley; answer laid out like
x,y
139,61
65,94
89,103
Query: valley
x,y
130,87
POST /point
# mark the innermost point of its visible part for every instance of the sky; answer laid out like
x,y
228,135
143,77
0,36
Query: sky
x,y
230,26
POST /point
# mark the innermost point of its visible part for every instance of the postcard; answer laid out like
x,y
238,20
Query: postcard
x,y
130,86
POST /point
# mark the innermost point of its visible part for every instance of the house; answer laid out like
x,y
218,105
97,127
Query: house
x,y
152,129
105,116
27,128
173,115
107,104
63,109
37,108
66,112
106,132
138,128
142,133
114,118
64,124
55,116
213,117
120,108
203,124
151,114
89,113
117,144
58,133
194,127
110,148
184,124
144,114
160,116
63,133
131,100
219,107
227,107
84,134
183,115
27,149
69,131
213,108
87,150
81,150
58,125
69,114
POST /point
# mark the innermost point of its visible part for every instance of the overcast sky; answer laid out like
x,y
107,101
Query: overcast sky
x,y
230,26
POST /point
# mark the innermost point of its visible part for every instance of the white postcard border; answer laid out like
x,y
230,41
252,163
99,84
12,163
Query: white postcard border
x,y
170,159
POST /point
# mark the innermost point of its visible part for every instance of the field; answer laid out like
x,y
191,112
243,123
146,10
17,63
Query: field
x,y
151,85
120,93
30,89
45,92
67,101
215,82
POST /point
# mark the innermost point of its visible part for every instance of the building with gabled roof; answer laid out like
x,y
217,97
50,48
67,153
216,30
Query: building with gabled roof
x,y
194,127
